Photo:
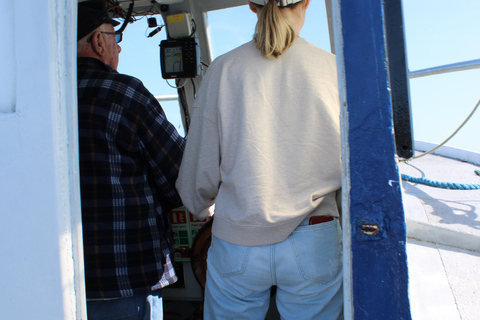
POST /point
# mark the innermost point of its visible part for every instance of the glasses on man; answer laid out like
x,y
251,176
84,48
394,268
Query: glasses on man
x,y
118,36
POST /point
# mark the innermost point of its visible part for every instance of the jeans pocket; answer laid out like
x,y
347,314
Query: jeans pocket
x,y
228,259
318,251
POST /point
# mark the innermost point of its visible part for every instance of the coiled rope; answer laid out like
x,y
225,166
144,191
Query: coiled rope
x,y
440,184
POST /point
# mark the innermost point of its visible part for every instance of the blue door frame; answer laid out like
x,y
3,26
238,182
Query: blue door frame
x,y
376,275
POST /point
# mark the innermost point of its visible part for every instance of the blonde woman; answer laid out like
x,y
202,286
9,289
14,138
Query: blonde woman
x,y
264,147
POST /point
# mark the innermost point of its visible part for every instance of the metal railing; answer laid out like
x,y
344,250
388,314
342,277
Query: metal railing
x,y
167,97
460,66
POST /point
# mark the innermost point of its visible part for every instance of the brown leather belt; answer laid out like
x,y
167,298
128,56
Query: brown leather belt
x,y
320,219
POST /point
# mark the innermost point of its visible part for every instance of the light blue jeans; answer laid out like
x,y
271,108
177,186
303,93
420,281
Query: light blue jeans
x,y
306,268
147,306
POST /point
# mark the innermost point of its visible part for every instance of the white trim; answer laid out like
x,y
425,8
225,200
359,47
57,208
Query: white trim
x,y
347,233
449,152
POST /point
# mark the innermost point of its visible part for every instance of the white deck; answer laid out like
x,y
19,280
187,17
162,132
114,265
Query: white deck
x,y
443,247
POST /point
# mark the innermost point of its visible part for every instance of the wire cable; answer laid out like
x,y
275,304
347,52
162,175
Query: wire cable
x,y
194,88
178,86
448,139
184,106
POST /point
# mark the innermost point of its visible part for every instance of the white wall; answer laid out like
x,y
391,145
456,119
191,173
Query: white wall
x,y
41,269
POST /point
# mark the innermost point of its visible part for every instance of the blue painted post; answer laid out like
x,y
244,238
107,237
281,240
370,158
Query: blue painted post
x,y
376,276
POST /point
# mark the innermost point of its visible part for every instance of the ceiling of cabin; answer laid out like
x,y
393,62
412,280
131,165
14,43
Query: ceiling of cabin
x,y
145,7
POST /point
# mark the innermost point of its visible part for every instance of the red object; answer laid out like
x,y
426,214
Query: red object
x,y
320,219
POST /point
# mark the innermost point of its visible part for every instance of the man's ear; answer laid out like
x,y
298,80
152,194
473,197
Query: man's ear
x,y
98,44
253,7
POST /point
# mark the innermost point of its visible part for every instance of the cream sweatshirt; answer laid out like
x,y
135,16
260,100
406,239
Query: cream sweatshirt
x,y
264,143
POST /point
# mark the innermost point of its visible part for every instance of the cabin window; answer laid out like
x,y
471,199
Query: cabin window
x,y
144,64
7,58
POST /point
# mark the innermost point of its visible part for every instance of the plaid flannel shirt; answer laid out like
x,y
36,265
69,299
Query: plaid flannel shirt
x,y
129,160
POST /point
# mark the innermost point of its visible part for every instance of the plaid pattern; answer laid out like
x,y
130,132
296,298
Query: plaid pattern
x,y
129,160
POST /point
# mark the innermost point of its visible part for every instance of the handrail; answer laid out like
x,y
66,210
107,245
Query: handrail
x,y
167,97
460,66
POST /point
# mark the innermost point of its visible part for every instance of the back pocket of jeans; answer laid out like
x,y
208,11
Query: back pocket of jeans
x,y
228,259
318,251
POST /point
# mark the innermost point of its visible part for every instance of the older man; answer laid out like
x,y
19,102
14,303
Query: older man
x,y
129,160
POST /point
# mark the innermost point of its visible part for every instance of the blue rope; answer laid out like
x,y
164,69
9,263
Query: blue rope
x,y
439,184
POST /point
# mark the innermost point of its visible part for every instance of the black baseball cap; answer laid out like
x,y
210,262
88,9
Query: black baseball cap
x,y
91,15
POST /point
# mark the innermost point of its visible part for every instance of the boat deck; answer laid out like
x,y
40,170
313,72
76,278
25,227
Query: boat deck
x,y
443,247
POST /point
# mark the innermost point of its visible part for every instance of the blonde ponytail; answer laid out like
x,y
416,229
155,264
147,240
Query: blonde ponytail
x,y
274,32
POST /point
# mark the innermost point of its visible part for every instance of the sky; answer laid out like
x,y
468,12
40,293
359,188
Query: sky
x,y
437,32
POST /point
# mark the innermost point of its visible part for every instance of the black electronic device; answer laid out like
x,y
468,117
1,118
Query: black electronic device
x,y
180,58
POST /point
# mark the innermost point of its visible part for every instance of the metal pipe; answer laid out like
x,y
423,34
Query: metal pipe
x,y
167,97
460,66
